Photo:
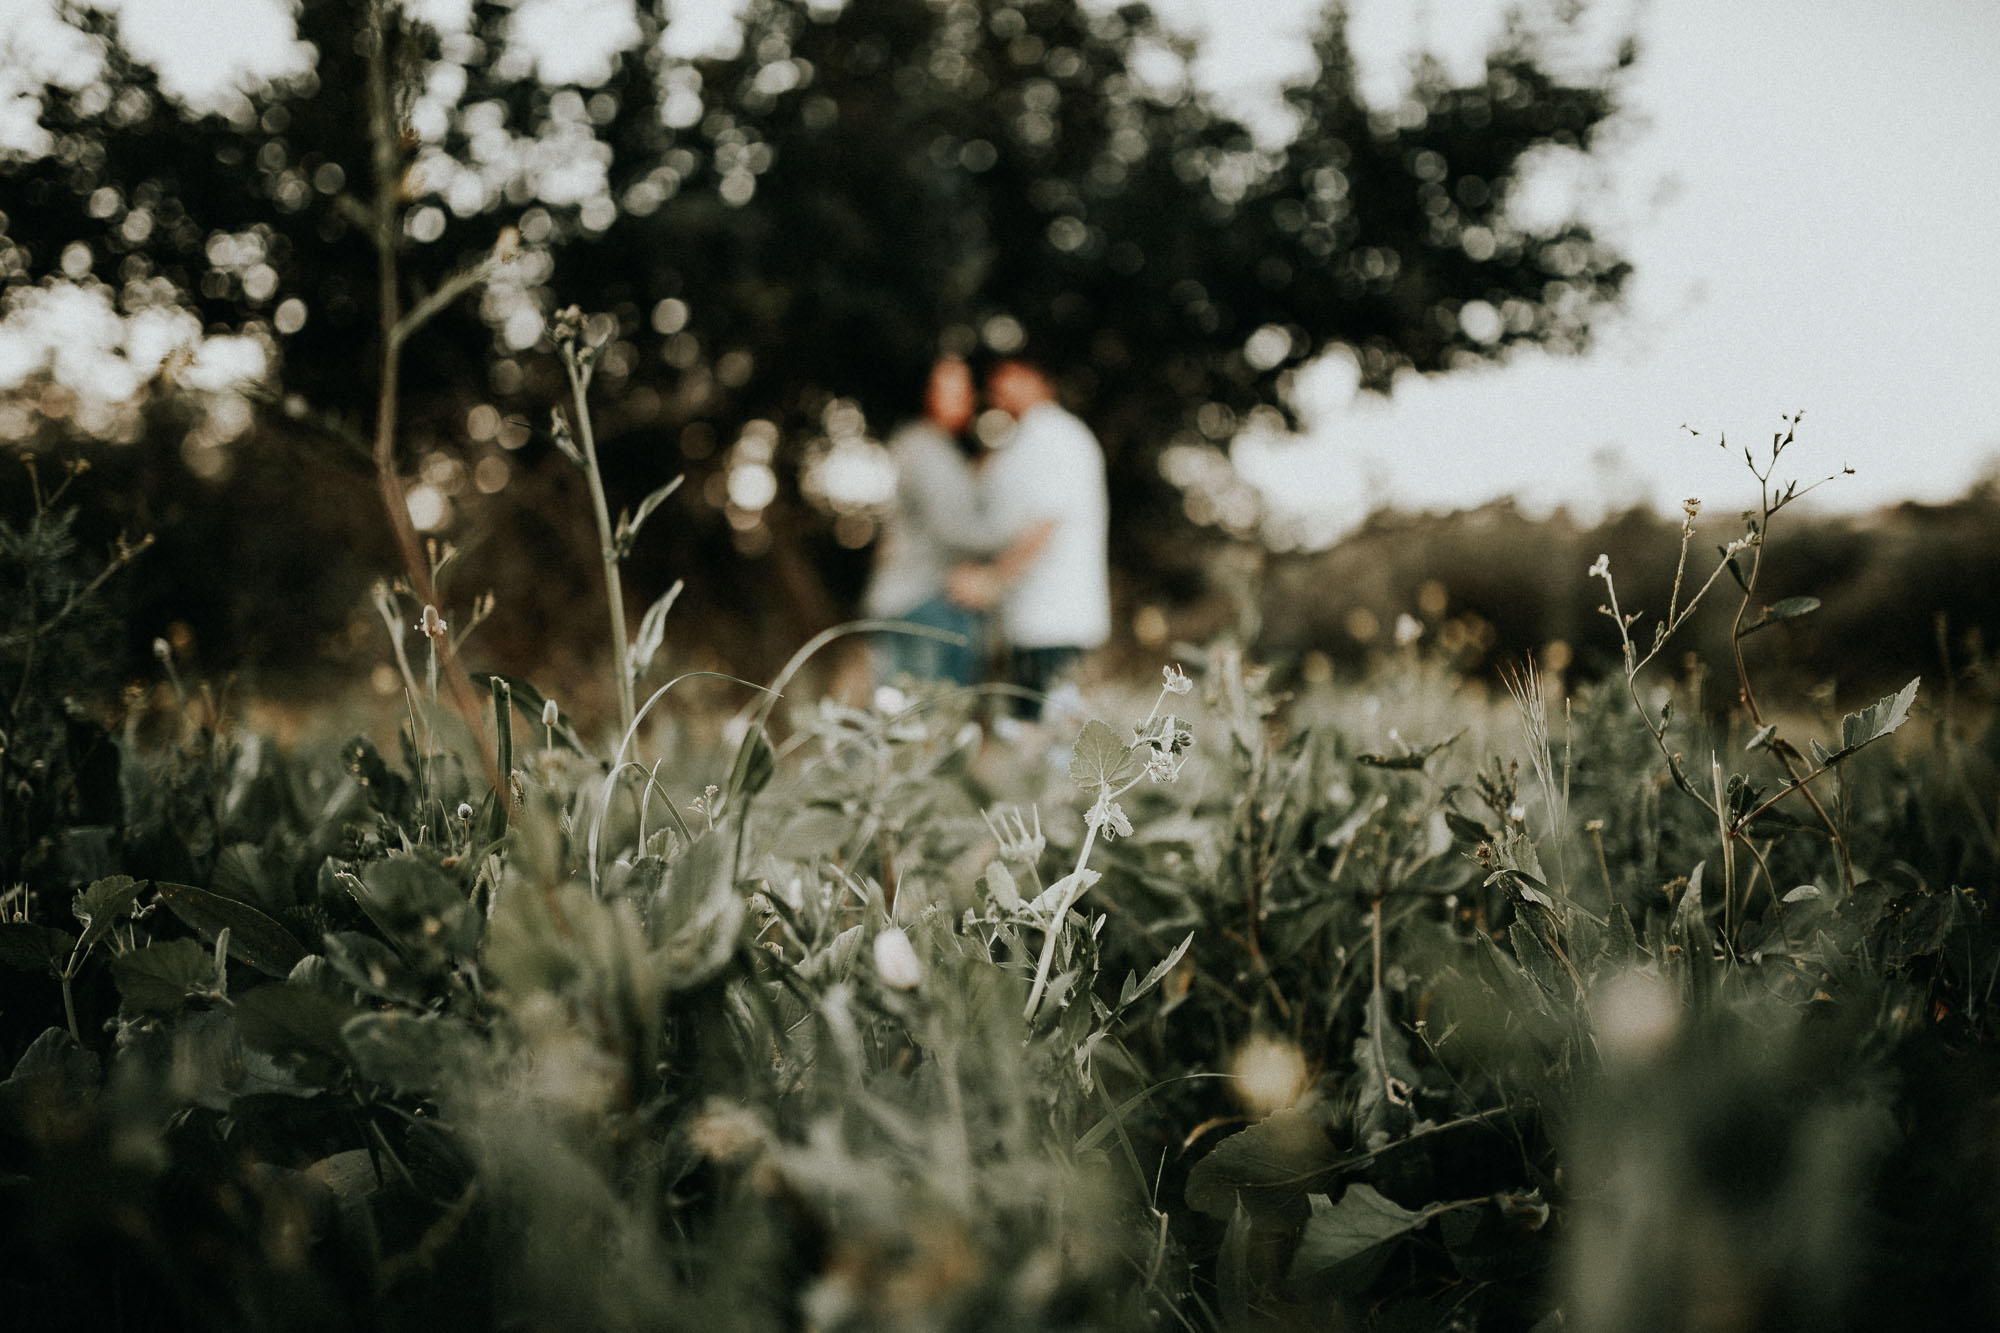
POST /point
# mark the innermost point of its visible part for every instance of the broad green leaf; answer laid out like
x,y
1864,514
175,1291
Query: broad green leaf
x,y
1232,1270
65,1077
34,948
1621,945
157,978
404,1052
372,967
1000,886
1099,759
1535,959
416,905
240,873
1506,979
1877,720
696,917
253,937
292,1019
1339,1232
813,833
756,762
1790,608
1270,1166
102,905
1471,830
1690,925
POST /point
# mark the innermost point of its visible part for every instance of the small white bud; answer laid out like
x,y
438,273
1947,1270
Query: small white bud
x,y
465,812
432,625
162,650
1602,568
896,962
550,713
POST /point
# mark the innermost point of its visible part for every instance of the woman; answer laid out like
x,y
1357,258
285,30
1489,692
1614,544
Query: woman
x,y
937,522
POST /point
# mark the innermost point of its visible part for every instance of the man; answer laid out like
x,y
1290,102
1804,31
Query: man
x,y
1045,490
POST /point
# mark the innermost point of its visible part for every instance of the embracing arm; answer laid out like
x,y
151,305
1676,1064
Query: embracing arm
x,y
978,586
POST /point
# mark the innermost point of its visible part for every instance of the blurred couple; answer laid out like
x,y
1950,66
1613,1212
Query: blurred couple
x,y
1008,541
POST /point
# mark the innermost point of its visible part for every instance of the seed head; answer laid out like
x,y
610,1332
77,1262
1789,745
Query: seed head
x,y
1011,831
567,326
465,812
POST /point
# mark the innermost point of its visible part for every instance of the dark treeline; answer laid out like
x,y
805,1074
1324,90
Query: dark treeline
x,y
763,235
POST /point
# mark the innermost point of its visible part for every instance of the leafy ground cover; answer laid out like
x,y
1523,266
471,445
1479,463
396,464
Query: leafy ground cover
x,y
1397,1003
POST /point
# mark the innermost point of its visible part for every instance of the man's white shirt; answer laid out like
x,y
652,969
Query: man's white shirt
x,y
1052,468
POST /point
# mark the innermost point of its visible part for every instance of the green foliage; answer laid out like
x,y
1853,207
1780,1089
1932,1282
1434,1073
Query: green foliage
x,y
1265,1017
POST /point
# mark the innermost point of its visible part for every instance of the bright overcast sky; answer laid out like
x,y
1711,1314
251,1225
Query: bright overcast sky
x,y
1809,191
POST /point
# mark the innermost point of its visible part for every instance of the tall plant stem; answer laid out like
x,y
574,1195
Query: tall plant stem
x,y
1783,753
384,138
607,541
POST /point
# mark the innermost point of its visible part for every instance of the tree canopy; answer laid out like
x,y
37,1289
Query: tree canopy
x,y
778,240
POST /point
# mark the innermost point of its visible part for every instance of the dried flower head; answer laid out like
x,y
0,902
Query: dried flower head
x,y
1012,832
567,326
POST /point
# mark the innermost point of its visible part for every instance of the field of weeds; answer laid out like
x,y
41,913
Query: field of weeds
x,y
1395,1002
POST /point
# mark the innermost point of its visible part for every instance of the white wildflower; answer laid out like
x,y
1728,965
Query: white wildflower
x,y
550,713
896,962
1176,680
1602,569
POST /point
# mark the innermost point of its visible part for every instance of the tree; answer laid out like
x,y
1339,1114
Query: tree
x,y
787,234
